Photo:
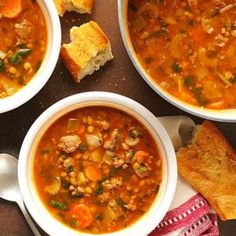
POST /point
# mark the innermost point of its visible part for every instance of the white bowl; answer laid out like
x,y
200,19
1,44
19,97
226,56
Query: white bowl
x,y
167,189
223,115
48,64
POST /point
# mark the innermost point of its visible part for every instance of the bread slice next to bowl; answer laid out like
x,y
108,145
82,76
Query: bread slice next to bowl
x,y
89,49
80,6
209,165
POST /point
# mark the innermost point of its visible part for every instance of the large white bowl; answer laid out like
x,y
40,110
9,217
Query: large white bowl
x,y
223,115
48,64
26,180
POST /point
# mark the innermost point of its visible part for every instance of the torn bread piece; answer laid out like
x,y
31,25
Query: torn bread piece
x,y
209,165
88,51
80,6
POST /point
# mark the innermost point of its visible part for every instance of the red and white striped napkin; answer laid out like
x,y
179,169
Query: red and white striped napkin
x,y
189,214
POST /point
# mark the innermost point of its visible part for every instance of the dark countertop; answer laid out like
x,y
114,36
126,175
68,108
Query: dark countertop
x,y
118,75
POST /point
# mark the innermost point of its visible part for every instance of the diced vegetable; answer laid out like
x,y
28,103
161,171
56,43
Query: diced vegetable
x,y
93,173
55,187
81,180
141,156
225,79
10,8
130,154
72,125
109,215
208,25
97,155
217,104
82,215
93,141
139,23
141,170
108,157
175,46
132,141
205,60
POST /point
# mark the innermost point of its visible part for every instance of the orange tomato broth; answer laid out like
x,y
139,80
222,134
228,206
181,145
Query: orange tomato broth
x,y
23,34
188,48
101,184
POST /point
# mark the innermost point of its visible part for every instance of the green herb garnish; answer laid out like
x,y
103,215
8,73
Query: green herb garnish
x,y
69,169
17,57
120,202
58,205
233,80
21,80
99,217
176,67
2,66
99,190
83,147
190,83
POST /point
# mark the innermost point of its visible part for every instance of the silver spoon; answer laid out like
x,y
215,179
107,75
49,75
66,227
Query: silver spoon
x,y
9,187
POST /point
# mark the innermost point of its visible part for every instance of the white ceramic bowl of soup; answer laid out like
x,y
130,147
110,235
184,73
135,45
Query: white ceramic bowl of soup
x,y
222,115
145,224
48,64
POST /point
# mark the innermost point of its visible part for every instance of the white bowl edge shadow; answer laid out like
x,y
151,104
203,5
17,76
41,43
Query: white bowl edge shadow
x,y
142,226
224,115
49,62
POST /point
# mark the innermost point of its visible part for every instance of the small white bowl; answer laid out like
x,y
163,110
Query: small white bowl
x,y
223,115
48,64
26,180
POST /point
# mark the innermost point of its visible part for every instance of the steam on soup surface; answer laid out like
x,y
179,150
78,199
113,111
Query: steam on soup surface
x,y
97,169
23,34
188,47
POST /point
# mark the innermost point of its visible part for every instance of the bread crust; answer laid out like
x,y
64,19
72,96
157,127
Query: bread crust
x,y
88,50
73,68
209,165
80,6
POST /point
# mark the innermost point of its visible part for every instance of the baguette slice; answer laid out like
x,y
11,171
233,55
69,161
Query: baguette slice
x,y
80,6
209,165
88,51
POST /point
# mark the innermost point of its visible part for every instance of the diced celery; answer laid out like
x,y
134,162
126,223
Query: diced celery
x,y
72,125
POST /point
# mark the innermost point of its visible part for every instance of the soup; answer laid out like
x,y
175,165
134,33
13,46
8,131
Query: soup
x,y
23,34
97,169
188,47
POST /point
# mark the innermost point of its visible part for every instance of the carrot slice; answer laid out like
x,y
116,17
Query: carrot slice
x,y
142,154
198,34
82,215
218,104
10,8
93,173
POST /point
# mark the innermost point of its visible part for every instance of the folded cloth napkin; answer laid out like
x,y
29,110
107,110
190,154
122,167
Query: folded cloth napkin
x,y
189,214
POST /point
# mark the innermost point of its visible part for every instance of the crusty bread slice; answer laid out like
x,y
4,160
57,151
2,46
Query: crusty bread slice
x,y
80,6
88,51
60,7
209,165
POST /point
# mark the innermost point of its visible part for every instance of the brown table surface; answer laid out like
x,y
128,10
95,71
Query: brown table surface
x,y
118,75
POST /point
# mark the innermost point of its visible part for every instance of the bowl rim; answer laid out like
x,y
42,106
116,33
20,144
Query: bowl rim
x,y
49,61
171,165
223,115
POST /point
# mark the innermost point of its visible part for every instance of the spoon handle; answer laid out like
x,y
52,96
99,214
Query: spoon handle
x,y
28,218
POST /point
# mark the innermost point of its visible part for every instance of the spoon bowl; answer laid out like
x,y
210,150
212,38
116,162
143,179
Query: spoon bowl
x,y
9,186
